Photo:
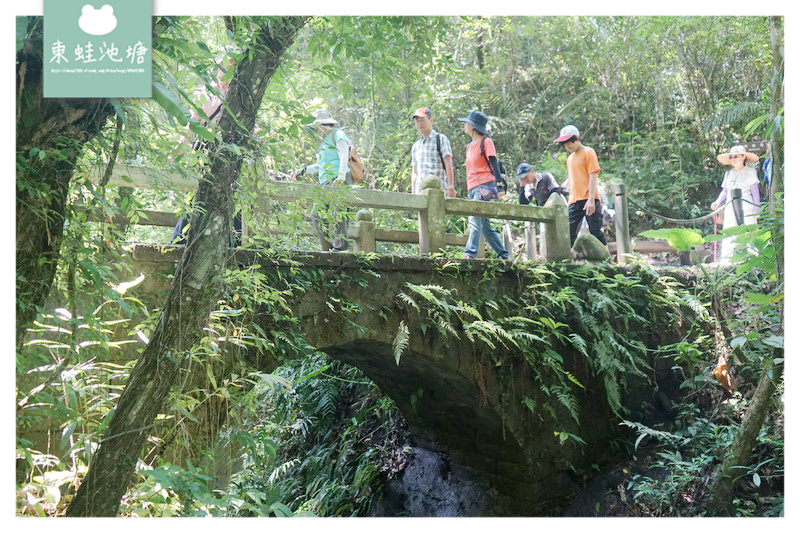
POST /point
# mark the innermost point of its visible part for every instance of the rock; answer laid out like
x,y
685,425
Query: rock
x,y
431,485
588,247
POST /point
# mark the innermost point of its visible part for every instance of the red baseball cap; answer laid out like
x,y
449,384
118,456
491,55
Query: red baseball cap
x,y
423,112
566,133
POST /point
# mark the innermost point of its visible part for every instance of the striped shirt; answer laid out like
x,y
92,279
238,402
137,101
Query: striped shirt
x,y
425,158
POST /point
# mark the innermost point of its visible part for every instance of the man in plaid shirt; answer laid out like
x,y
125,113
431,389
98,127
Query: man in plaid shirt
x,y
431,155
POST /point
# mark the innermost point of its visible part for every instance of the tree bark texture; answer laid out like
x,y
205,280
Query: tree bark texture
x,y
196,285
738,455
59,127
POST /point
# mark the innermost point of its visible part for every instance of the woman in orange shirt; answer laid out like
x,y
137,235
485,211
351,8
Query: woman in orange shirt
x,y
482,173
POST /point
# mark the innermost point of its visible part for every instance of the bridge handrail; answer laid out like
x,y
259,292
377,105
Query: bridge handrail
x,y
366,198
431,207
282,191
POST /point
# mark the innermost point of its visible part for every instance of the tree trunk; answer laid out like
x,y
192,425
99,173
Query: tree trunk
x,y
195,288
59,128
738,455
741,449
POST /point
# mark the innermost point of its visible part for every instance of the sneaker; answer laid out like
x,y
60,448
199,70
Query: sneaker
x,y
467,256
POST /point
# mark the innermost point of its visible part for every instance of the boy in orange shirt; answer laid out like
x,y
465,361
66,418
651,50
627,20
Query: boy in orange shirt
x,y
582,172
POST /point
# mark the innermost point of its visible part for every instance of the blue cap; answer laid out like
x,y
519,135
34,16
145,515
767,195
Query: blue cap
x,y
522,169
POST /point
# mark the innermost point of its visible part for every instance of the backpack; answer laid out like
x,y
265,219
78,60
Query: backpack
x,y
356,166
502,184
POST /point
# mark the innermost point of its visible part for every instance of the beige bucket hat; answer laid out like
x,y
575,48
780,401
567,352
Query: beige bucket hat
x,y
324,118
749,157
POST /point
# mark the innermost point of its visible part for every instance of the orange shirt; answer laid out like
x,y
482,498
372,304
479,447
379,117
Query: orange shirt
x,y
478,170
579,165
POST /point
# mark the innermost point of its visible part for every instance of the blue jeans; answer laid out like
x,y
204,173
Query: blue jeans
x,y
482,225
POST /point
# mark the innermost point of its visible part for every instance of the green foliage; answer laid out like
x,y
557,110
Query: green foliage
x,y
335,436
689,86
679,238
679,460
610,320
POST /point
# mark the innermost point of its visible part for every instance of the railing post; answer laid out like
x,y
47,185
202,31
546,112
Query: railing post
x,y
481,247
738,213
365,241
542,241
621,222
431,219
530,241
556,231
507,241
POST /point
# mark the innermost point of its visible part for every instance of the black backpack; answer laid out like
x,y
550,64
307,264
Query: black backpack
x,y
502,184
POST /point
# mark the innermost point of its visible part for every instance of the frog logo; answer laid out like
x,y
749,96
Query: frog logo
x,y
97,21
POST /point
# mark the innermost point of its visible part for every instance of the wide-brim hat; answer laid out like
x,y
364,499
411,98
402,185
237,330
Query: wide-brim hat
x,y
323,118
477,120
749,157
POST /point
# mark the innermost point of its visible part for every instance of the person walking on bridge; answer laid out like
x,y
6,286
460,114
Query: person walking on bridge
x,y
536,186
582,172
331,170
483,170
740,177
431,155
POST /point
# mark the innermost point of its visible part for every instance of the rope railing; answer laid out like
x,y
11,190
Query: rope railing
x,y
685,221
621,199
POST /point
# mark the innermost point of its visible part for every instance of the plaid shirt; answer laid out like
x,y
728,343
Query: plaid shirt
x,y
425,158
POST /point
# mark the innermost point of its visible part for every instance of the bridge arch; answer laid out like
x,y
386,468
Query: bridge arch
x,y
466,398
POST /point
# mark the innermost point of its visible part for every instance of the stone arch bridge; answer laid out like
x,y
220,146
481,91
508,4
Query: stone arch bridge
x,y
458,397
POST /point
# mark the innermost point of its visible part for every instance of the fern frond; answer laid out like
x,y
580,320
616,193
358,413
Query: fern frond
x,y
614,394
427,291
573,379
578,343
468,309
409,300
282,469
400,342
566,398
733,114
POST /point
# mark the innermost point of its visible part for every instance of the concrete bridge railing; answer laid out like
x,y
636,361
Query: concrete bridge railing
x,y
431,208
